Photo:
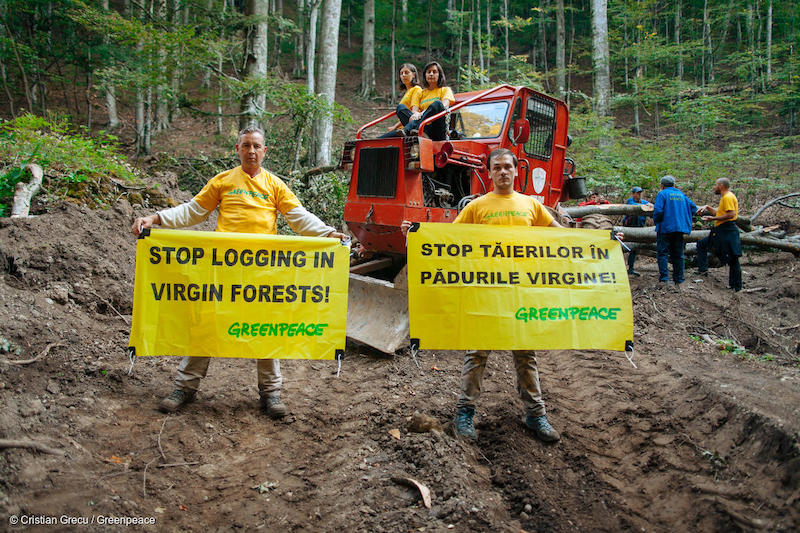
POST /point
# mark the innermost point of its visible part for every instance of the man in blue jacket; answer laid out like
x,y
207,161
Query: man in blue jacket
x,y
672,213
634,221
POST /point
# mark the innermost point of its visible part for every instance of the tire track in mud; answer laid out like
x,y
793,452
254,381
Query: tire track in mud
x,y
641,448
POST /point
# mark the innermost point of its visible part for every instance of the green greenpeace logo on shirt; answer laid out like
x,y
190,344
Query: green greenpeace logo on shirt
x,y
496,214
245,192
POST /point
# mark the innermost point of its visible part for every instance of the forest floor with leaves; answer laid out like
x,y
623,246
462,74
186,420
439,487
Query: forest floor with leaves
x,y
701,434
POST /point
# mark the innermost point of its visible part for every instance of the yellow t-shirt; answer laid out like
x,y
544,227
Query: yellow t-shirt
x,y
505,209
247,205
408,98
728,202
427,96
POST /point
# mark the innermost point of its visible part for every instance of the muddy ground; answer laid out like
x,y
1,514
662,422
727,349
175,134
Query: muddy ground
x,y
691,438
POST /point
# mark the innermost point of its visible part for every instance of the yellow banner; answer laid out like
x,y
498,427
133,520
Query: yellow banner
x,y
517,287
217,294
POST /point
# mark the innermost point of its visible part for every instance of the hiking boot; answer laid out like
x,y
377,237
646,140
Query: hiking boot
x,y
176,399
632,272
463,422
542,428
273,405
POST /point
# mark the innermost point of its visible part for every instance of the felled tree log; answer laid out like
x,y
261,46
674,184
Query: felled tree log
x,y
24,192
745,223
609,209
649,235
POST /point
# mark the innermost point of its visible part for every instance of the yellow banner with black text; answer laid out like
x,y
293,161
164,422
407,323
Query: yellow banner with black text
x,y
217,294
517,287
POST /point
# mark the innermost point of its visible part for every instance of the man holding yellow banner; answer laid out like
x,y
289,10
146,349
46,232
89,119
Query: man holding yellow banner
x,y
506,207
248,198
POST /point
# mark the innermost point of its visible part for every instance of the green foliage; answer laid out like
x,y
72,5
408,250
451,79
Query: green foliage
x,y
323,195
69,157
695,163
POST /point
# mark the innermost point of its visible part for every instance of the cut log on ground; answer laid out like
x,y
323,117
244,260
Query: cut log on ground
x,y
609,210
649,235
24,192
580,211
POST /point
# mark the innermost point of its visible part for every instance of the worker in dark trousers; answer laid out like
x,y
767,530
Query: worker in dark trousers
x,y
724,239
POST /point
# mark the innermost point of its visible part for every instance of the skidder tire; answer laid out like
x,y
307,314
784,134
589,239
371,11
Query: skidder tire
x,y
596,221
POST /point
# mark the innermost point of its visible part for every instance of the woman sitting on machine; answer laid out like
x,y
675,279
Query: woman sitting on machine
x,y
434,98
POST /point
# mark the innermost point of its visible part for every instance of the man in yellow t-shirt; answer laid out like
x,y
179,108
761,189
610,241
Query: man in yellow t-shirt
x,y
505,207
249,199
724,239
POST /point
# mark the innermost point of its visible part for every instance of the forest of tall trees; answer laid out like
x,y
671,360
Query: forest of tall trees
x,y
649,67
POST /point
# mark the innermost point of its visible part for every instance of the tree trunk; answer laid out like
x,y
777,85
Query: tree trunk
x,y
649,235
328,58
300,40
24,192
394,58
751,44
142,102
311,45
600,55
460,42
404,6
561,67
255,66
543,43
480,32
368,54
708,64
110,90
678,37
769,41
571,50
469,47
430,29
488,35
162,94
508,58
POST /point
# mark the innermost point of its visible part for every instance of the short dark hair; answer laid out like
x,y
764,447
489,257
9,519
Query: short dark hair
x,y
248,130
442,80
412,68
500,152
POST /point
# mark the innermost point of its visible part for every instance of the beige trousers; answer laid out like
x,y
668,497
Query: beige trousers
x,y
530,391
193,369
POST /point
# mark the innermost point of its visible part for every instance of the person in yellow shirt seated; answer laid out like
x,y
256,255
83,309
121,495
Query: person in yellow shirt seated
x,y
408,82
724,239
434,98
248,198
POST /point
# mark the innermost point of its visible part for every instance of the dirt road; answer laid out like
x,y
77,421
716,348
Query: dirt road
x,y
691,438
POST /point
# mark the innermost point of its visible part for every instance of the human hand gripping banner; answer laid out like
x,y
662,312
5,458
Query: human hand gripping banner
x,y
492,287
219,294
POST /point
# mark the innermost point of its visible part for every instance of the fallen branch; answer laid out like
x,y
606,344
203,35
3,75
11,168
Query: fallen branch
x,y
24,192
113,308
29,361
158,441
770,203
30,444
169,465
